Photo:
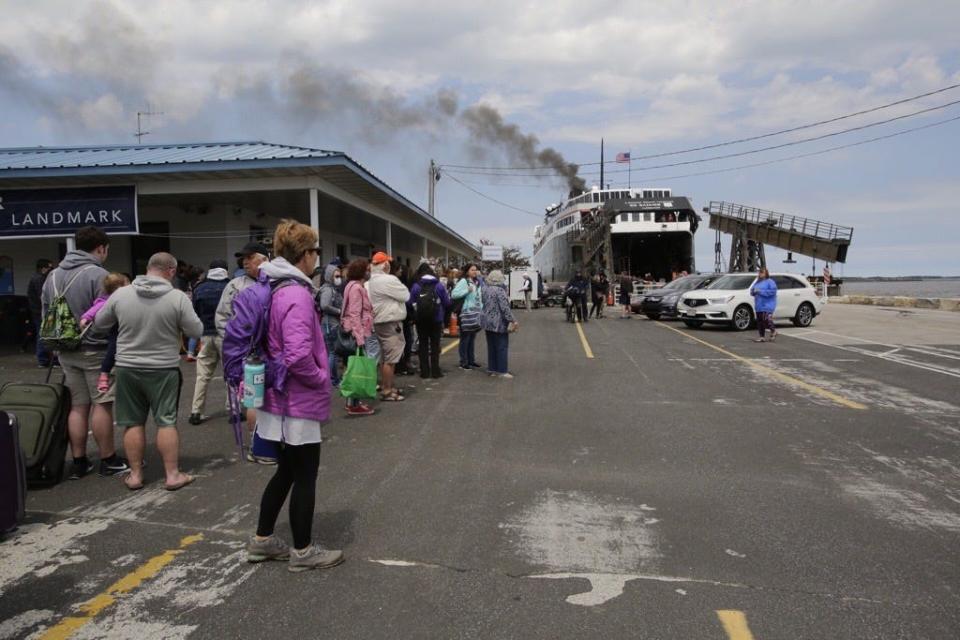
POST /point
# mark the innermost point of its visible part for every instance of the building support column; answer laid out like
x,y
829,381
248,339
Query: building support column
x,y
446,257
314,210
426,248
71,243
389,238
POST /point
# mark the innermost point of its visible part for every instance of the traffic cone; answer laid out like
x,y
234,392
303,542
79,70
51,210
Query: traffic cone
x,y
454,327
610,299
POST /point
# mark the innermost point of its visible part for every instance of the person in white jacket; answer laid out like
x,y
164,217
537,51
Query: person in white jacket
x,y
389,297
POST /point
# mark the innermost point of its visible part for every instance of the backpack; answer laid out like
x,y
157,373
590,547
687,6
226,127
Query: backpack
x,y
246,334
426,304
60,330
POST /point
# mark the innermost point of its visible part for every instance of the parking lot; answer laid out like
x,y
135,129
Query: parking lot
x,y
635,479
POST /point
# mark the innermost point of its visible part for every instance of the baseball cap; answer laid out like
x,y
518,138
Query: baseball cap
x,y
218,264
252,247
380,257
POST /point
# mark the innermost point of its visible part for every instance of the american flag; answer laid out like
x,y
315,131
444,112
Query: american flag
x,y
623,157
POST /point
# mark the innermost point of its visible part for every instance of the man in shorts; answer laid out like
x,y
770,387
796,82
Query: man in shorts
x,y
389,299
79,278
151,315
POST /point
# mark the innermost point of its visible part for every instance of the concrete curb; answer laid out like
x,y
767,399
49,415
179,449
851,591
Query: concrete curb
x,y
942,304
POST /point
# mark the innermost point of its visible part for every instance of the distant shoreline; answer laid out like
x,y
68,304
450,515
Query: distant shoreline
x,y
896,278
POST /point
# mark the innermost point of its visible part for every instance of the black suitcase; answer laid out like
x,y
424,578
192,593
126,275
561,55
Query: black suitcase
x,y
13,478
41,411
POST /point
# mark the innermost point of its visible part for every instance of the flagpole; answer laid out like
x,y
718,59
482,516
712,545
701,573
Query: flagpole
x,y
629,170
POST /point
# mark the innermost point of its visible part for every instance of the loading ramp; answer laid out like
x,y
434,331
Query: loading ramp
x,y
752,228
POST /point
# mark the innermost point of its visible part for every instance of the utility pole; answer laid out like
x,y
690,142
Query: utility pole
x,y
432,179
601,164
140,132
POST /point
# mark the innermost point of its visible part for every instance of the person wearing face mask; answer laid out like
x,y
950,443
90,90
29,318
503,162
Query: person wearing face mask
x,y
330,301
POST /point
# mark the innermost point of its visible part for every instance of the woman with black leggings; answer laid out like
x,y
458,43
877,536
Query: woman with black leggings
x,y
292,419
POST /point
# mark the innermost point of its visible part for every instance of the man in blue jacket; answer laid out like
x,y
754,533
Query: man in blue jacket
x,y
764,292
206,297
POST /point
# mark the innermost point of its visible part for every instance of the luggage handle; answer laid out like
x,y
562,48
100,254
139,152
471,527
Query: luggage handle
x,y
50,371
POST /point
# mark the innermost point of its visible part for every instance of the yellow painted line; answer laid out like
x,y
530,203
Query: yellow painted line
x,y
773,373
452,345
91,608
583,340
735,624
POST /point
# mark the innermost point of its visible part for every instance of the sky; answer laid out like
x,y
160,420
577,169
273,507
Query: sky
x,y
395,84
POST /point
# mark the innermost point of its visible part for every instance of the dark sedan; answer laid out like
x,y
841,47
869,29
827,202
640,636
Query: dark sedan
x,y
662,303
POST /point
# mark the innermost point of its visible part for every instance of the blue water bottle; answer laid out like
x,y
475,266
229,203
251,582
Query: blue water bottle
x,y
254,376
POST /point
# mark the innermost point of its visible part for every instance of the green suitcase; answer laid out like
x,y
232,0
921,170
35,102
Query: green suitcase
x,y
41,411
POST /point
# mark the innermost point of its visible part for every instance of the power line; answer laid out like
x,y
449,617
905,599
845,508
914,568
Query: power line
x,y
766,162
749,151
738,140
491,198
812,153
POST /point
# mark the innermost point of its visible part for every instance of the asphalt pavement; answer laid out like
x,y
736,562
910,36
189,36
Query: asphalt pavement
x,y
679,483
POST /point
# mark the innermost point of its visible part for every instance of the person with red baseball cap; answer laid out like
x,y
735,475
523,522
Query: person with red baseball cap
x,y
389,297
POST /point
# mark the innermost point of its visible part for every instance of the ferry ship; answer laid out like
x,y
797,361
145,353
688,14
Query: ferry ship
x,y
651,233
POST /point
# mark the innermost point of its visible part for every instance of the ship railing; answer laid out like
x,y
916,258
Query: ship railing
x,y
795,224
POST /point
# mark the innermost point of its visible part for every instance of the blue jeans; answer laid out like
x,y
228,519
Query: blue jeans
x,y
498,345
329,330
43,356
466,349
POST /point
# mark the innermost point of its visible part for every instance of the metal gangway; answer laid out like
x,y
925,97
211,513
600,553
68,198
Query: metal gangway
x,y
752,228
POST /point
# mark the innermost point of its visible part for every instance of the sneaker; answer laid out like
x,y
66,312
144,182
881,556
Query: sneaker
x,y
272,548
260,459
195,419
474,365
359,410
80,469
465,367
113,467
438,374
506,375
314,557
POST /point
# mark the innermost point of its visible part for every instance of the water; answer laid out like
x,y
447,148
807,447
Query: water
x,y
944,288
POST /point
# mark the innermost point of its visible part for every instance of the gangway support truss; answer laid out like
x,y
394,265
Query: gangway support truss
x,y
750,226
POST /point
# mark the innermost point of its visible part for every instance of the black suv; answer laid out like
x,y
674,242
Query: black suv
x,y
662,303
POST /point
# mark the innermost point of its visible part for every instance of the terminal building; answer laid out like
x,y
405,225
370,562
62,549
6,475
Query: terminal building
x,y
202,201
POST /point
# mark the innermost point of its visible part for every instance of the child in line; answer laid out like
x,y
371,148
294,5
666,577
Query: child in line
x,y
111,282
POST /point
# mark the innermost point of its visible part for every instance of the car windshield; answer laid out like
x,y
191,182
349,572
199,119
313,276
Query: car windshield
x,y
733,282
687,283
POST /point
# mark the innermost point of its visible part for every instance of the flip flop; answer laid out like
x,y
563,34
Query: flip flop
x,y
393,396
179,485
132,487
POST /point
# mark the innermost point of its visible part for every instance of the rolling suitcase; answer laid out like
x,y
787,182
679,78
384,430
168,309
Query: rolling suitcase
x,y
13,479
41,411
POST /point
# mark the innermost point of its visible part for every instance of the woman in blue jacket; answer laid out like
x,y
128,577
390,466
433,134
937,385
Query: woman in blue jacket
x,y
468,290
764,292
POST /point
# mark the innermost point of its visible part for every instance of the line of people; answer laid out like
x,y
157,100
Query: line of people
x,y
127,365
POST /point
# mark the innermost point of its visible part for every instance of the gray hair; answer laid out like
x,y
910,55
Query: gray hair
x,y
161,262
496,277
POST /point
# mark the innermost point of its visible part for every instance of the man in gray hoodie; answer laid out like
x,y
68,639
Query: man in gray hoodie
x,y
151,315
79,278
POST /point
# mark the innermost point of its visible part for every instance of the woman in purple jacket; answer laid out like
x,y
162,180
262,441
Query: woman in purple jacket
x,y
292,419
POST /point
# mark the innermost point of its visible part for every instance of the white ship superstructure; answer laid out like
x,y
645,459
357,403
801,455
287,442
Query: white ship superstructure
x,y
651,233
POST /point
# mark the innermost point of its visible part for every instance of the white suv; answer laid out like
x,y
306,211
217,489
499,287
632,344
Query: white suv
x,y
727,300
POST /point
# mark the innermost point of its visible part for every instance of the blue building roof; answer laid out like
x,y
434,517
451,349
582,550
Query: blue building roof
x,y
38,158
45,166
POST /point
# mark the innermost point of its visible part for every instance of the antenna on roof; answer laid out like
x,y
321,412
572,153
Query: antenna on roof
x,y
140,114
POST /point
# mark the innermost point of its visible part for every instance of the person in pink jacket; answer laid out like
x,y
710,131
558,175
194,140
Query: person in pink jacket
x,y
292,418
356,316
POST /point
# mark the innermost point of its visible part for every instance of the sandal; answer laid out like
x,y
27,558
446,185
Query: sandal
x,y
393,396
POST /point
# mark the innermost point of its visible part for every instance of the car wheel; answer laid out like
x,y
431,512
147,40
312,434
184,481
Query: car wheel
x,y
742,318
693,324
653,316
804,315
